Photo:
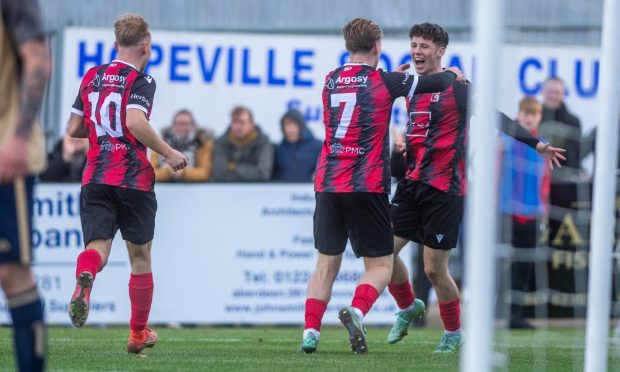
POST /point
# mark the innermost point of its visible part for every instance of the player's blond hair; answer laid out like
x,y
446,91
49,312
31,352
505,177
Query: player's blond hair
x,y
361,35
131,29
530,105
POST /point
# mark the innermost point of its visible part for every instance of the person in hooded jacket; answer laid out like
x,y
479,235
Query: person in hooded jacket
x,y
295,157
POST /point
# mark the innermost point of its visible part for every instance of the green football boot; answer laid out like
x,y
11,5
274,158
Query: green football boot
x,y
450,343
357,334
404,319
309,344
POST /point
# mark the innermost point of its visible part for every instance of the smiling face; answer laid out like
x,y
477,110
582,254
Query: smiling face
x,y
426,55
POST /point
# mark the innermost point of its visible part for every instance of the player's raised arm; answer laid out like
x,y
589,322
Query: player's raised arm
x,y
516,131
437,82
139,126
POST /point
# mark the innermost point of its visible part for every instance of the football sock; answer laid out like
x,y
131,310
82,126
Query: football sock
x,y
450,312
141,296
315,309
365,296
89,260
29,333
403,294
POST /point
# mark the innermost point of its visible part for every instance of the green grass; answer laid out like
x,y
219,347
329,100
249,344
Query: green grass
x,y
276,349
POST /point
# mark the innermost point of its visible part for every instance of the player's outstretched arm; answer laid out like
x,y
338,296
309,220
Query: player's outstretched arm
x,y
516,131
139,126
436,82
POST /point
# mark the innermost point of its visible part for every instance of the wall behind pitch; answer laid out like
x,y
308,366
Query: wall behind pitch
x,y
209,73
222,254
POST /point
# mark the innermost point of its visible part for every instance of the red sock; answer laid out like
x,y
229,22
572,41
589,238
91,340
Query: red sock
x,y
402,293
140,295
315,309
89,260
450,312
365,296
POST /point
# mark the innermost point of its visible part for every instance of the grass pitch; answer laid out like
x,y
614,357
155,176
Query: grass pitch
x,y
277,349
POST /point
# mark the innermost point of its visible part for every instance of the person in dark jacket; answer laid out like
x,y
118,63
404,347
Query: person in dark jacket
x,y
66,161
295,157
561,127
243,153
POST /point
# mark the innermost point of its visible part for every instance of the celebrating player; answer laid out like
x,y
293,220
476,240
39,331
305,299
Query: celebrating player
x,y
112,109
428,205
353,178
24,71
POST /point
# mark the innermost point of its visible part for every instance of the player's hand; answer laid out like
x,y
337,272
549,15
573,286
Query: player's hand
x,y
176,160
401,147
404,67
553,154
13,159
459,74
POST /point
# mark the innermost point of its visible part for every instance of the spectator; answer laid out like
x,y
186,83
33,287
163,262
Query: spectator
x,y
562,128
243,153
195,143
295,157
523,202
66,161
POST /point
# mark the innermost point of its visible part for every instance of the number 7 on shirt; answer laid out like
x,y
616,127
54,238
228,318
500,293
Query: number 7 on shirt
x,y
349,100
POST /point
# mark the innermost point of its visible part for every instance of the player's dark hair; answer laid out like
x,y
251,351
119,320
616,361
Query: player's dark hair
x,y
238,110
430,31
131,29
361,35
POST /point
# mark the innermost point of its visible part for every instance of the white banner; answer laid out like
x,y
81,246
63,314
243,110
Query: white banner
x,y
209,73
222,254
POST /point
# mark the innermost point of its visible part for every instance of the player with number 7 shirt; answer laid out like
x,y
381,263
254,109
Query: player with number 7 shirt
x,y
112,110
352,180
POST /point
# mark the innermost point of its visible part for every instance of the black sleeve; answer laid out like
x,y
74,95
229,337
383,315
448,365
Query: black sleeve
x,y
78,105
435,82
399,84
516,131
22,19
142,93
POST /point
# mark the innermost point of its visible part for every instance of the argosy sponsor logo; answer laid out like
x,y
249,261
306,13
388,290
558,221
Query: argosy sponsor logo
x,y
352,80
114,79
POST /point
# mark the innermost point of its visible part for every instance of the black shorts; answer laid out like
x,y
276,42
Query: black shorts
x,y
426,215
16,201
362,217
104,209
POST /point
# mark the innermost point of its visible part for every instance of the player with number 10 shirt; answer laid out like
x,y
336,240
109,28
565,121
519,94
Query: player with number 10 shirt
x,y
112,110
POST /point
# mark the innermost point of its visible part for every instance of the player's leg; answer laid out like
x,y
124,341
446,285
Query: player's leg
x,y
137,225
330,239
317,297
405,215
141,297
367,218
442,215
24,304
436,269
98,214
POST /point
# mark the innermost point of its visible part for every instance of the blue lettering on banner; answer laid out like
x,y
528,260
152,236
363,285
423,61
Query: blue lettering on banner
x,y
581,90
406,59
245,73
299,66
529,90
176,61
272,79
92,59
230,77
207,72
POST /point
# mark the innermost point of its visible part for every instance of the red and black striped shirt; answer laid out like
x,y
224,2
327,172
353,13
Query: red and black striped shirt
x,y
357,106
115,157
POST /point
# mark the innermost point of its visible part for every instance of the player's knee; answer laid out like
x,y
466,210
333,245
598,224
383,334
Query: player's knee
x,y
15,278
434,273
